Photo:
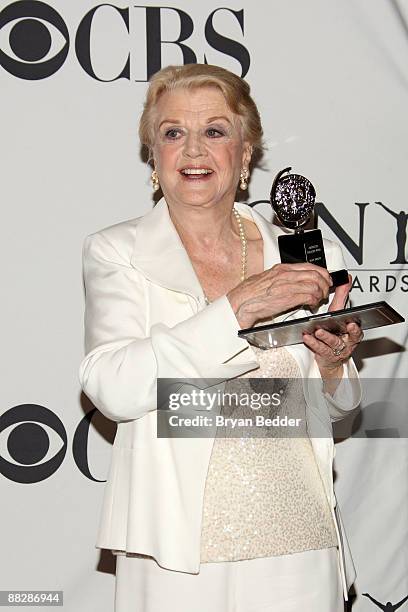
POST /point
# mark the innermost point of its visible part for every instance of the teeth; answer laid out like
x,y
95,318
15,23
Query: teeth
x,y
196,171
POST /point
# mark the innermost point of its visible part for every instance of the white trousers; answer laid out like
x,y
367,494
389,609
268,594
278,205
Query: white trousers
x,y
301,582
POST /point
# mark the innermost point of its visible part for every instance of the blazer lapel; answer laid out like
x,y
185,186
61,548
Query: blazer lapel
x,y
161,257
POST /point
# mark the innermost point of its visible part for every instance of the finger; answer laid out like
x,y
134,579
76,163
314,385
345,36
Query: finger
x,y
353,328
355,332
313,286
294,296
332,340
303,277
340,296
320,348
307,267
323,352
295,292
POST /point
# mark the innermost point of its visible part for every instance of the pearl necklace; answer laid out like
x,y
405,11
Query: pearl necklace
x,y
243,249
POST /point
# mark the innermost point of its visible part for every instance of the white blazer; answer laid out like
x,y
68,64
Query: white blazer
x,y
146,317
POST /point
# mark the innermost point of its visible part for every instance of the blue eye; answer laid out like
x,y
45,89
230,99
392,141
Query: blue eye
x,y
172,133
214,133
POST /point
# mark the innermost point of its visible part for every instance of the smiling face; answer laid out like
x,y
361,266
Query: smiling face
x,y
198,148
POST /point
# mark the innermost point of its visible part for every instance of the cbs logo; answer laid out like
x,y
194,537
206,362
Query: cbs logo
x,y
35,41
35,443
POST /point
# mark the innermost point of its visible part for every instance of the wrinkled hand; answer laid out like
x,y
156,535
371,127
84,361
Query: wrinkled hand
x,y
332,351
278,289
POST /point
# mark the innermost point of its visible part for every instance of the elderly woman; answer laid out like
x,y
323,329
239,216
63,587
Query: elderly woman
x,y
166,294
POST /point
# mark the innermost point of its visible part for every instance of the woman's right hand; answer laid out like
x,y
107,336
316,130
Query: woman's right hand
x,y
279,289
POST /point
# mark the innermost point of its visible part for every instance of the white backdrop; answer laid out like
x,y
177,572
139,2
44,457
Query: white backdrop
x,y
331,82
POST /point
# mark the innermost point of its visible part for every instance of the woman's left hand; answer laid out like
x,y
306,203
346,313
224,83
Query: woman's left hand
x,y
331,350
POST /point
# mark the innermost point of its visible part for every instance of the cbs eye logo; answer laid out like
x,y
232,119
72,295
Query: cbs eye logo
x,y
33,444
37,45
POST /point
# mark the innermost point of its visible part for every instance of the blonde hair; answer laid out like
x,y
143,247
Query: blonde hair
x,y
235,90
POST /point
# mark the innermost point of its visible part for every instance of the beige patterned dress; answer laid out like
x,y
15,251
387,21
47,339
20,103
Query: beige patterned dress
x,y
264,495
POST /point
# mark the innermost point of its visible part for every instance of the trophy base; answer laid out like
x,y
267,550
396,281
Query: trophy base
x,y
308,247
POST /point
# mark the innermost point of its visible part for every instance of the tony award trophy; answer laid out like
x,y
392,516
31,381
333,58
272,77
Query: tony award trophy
x,y
293,199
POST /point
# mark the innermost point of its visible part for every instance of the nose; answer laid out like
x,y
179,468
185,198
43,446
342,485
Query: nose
x,y
193,146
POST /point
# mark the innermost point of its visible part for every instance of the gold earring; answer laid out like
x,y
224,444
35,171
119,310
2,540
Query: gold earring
x,y
155,181
244,179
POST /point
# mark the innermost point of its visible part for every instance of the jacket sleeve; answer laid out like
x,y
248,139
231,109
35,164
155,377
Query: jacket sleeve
x,y
124,356
348,394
